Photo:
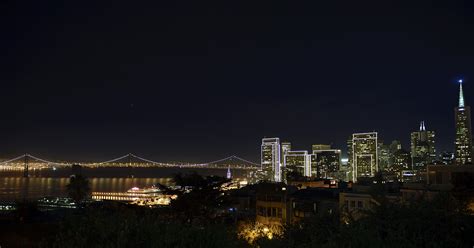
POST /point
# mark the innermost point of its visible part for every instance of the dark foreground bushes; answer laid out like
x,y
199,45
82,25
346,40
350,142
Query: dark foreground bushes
x,y
136,228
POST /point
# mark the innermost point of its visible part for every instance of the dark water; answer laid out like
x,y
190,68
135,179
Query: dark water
x,y
53,182
18,188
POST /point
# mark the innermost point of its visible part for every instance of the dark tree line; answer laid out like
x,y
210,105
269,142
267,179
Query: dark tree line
x,y
195,219
443,222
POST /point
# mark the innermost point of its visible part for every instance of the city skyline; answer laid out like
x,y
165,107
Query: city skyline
x,y
195,82
236,123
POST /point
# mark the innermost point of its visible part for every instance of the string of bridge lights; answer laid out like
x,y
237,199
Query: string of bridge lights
x,y
127,156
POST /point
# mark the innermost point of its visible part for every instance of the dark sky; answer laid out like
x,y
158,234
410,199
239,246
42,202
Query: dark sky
x,y
197,80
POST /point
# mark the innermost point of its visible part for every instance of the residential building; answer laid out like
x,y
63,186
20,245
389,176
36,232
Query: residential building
x,y
311,202
272,203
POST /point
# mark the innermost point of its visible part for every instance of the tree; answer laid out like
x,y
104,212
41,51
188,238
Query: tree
x,y
442,222
203,202
26,210
294,175
137,227
78,188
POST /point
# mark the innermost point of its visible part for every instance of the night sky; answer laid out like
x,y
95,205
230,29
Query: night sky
x,y
197,81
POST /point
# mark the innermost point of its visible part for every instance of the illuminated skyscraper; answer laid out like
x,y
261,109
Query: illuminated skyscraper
x,y
463,142
325,163
349,153
383,156
393,148
423,151
402,161
285,147
299,162
270,159
364,155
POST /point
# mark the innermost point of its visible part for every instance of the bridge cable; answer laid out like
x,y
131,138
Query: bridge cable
x,y
13,159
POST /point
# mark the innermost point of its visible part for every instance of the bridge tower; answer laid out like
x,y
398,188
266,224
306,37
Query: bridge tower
x,y
25,169
130,169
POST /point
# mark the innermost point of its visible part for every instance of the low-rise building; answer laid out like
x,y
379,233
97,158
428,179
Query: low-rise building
x,y
313,202
272,203
314,183
449,175
362,197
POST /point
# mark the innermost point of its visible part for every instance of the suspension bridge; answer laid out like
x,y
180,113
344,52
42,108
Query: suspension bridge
x,y
27,161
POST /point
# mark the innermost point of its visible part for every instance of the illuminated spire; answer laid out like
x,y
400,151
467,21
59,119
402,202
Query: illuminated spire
x,y
422,126
461,95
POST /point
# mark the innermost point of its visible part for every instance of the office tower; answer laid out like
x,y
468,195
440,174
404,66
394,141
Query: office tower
x,y
325,163
384,155
402,161
297,162
463,144
423,151
393,148
364,155
285,147
349,168
319,147
349,153
270,159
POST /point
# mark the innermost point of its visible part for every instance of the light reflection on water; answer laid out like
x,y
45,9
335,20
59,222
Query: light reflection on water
x,y
18,188
49,182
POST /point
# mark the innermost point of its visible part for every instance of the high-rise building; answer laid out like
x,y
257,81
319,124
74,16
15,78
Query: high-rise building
x,y
364,155
325,163
349,153
297,162
384,155
463,152
270,159
395,146
285,147
401,161
423,151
